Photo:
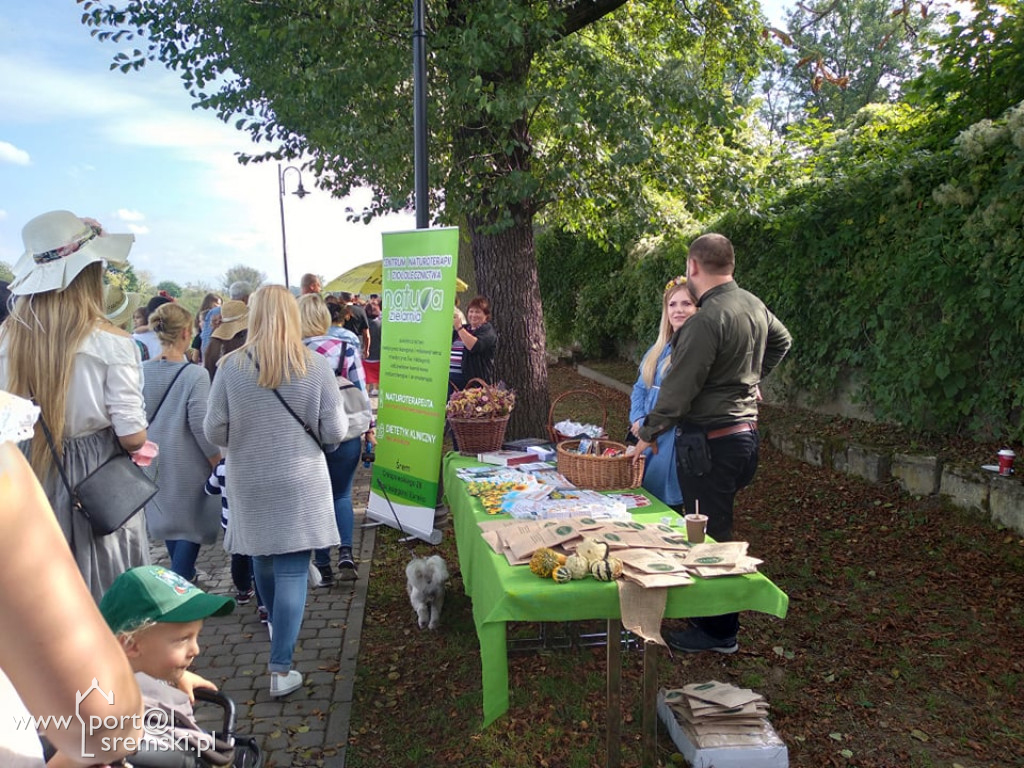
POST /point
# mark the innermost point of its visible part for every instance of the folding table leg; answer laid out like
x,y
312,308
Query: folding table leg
x,y
614,714
649,756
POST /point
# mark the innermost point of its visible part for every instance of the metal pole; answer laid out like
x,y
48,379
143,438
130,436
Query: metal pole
x,y
419,124
284,247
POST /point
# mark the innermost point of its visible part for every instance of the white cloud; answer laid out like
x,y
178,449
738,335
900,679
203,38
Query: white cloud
x,y
125,214
138,229
11,154
3,215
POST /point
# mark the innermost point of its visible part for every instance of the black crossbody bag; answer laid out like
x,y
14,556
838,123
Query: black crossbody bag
x,y
111,494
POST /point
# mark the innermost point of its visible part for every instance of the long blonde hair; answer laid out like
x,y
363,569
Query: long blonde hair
x,y
43,334
275,339
650,362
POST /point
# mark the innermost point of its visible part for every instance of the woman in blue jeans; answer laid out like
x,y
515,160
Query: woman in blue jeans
x,y
273,405
341,348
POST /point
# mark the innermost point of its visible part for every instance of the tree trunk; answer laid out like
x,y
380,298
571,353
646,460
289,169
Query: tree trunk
x,y
506,272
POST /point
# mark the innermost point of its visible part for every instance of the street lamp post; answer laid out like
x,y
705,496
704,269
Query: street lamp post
x,y
301,192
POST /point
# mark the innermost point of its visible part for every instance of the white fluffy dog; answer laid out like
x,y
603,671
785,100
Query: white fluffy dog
x,y
425,578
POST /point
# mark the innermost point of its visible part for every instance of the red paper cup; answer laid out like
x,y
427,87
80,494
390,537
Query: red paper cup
x,y
1006,457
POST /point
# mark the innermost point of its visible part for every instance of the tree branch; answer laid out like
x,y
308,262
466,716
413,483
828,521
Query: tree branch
x,y
580,13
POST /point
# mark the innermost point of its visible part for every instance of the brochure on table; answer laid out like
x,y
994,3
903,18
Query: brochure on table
x,y
418,302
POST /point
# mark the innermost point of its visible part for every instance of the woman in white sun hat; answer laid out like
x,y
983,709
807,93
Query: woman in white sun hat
x,y
58,348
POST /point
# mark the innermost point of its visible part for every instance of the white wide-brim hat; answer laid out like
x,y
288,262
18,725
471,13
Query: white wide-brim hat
x,y
59,245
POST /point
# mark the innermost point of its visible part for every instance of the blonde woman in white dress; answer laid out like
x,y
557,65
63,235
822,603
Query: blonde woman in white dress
x,y
58,348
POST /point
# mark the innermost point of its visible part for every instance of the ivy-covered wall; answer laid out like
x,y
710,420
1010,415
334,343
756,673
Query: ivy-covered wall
x,y
900,264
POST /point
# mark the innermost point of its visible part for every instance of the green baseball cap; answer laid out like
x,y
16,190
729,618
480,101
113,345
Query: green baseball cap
x,y
153,593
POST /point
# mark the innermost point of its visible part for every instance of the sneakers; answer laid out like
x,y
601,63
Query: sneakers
x,y
263,613
694,640
345,558
326,575
243,596
283,684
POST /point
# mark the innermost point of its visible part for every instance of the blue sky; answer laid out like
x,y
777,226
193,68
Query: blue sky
x,y
129,151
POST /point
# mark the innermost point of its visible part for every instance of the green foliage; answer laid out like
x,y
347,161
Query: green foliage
x,y
900,266
130,281
171,288
977,66
242,273
840,56
6,272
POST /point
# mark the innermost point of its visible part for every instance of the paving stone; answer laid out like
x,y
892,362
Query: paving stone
x,y
236,649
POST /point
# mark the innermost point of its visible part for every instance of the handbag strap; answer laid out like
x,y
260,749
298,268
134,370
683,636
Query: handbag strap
x,y
288,408
56,459
167,391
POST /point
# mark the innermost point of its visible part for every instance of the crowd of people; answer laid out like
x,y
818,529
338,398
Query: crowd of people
x,y
242,398
241,402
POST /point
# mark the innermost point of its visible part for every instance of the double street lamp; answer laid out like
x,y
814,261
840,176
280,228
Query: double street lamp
x,y
301,192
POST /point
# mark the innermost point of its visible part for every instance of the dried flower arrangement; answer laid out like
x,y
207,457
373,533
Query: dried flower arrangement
x,y
482,402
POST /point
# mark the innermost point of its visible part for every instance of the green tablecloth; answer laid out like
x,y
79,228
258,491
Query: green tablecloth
x,y
501,593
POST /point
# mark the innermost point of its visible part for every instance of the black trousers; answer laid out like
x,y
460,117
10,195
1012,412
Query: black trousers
x,y
733,465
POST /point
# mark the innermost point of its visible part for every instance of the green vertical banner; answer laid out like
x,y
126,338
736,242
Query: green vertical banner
x,y
418,303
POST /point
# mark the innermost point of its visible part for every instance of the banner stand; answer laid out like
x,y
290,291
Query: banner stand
x,y
418,275
414,521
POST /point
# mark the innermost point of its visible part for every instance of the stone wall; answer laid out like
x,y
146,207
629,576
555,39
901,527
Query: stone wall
x,y
970,488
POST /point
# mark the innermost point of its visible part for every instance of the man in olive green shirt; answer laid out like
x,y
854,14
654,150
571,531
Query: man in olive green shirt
x,y
711,390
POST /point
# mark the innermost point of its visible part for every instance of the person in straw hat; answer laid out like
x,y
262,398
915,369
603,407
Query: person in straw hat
x,y
229,335
59,348
120,308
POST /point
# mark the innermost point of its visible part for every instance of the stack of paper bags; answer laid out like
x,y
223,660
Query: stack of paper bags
x,y
717,714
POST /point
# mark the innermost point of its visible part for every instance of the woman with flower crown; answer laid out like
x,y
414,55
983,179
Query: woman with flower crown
x,y
677,306
58,348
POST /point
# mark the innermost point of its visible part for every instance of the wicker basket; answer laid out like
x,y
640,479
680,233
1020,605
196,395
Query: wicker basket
x,y
599,473
479,435
554,434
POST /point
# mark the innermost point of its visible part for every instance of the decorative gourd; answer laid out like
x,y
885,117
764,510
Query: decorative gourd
x,y
544,561
561,574
592,549
577,565
606,570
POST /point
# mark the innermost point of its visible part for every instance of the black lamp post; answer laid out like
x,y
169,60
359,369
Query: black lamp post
x,y
419,113
301,192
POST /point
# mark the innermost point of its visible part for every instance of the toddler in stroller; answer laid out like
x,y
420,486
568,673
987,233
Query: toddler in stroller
x,y
157,616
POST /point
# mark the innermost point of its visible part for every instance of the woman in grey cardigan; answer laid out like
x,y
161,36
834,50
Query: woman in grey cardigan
x,y
272,405
176,394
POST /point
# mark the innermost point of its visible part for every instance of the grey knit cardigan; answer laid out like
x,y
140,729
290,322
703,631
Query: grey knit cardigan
x,y
277,481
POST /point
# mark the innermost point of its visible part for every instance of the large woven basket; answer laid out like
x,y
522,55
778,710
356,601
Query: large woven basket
x,y
569,396
599,473
479,435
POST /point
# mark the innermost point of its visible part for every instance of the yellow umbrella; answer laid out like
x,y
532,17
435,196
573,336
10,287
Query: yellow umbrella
x,y
366,279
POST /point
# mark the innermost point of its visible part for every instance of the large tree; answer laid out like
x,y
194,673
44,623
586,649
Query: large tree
x,y
841,55
587,107
243,274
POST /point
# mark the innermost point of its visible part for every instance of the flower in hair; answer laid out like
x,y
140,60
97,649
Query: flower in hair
x,y
675,282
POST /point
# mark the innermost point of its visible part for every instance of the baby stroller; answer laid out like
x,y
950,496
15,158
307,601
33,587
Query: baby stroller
x,y
245,753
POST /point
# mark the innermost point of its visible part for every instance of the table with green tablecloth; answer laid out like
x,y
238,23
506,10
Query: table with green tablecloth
x,y
502,593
